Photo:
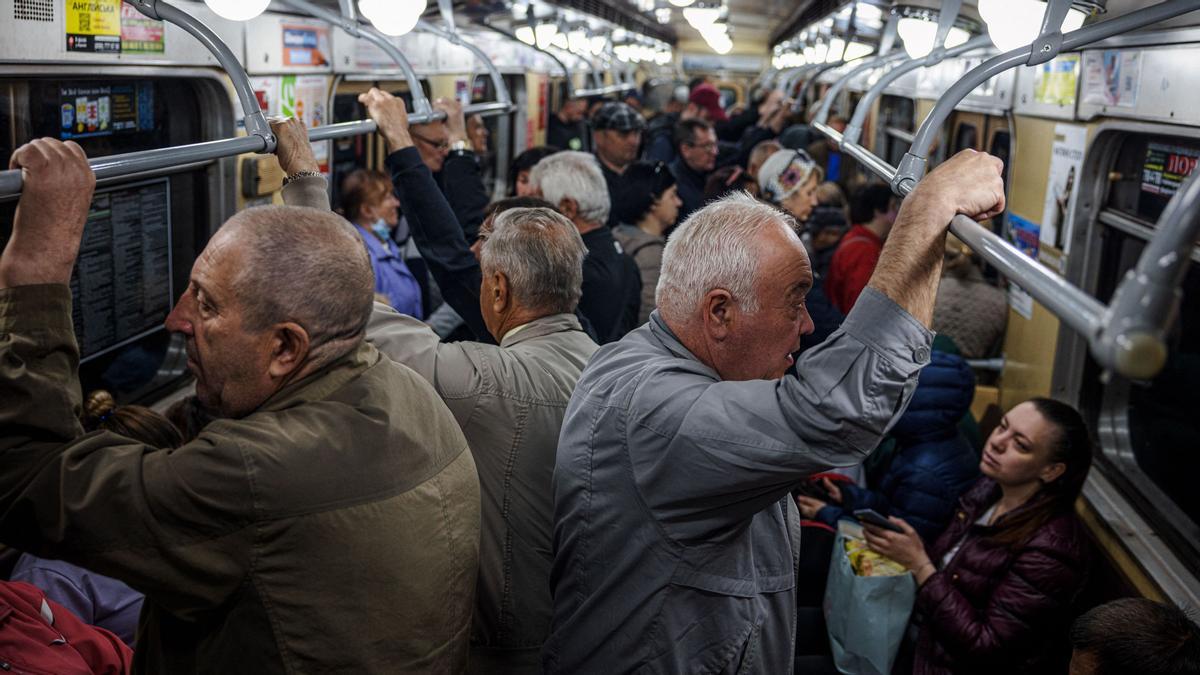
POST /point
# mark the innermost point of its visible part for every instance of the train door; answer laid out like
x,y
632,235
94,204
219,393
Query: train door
x,y
143,232
1147,462
895,128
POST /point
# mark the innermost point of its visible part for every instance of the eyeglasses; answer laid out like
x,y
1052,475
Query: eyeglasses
x,y
706,147
440,146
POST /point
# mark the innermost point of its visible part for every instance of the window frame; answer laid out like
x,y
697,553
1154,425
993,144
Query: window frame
x,y
1149,524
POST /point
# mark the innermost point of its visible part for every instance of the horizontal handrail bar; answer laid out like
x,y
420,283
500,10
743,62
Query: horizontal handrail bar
x,y
1077,309
604,91
912,167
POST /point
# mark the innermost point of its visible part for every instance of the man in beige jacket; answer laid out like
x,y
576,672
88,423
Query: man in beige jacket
x,y
509,399
328,523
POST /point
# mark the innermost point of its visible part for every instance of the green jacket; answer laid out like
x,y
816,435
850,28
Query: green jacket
x,y
336,528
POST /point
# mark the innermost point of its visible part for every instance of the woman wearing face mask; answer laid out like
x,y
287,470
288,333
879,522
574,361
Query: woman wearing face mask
x,y
370,204
649,208
789,180
997,586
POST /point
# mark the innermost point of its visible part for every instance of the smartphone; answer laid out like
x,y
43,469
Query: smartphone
x,y
873,518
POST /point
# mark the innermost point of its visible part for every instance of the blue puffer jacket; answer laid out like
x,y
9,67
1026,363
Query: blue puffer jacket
x,y
933,463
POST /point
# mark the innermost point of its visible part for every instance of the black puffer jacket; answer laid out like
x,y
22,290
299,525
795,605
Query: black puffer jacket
x,y
999,609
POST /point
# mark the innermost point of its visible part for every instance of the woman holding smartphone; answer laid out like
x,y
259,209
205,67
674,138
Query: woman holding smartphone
x,y
996,588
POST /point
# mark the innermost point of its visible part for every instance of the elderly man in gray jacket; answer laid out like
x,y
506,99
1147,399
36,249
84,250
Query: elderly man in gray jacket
x,y
508,399
674,539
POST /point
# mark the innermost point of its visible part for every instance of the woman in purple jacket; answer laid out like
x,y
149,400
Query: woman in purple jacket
x,y
997,587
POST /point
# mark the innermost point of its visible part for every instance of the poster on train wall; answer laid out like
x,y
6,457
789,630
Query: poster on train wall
x,y
1112,77
305,45
110,27
1062,191
305,97
1164,170
1054,82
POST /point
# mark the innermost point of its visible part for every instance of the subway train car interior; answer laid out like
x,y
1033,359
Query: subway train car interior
x,y
762,336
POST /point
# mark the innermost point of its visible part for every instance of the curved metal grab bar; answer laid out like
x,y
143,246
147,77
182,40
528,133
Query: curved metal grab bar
x,y
912,167
798,104
854,128
503,103
349,22
832,94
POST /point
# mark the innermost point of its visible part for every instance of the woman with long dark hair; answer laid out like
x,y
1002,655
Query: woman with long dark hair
x,y
996,588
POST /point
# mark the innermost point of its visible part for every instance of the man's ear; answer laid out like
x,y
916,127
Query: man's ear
x,y
501,297
569,208
720,312
289,349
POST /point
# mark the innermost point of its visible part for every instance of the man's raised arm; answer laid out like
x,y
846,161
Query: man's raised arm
x,y
969,183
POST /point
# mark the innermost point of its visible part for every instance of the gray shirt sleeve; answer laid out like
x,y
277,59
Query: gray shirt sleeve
x,y
707,455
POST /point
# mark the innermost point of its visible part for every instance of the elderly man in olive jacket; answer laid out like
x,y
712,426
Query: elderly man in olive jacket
x,y
328,523
509,399
674,537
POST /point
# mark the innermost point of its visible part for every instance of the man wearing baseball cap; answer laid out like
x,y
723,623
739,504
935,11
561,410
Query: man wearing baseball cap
x,y
616,136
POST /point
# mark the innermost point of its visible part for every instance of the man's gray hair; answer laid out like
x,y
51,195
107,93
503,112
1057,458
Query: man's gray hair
x,y
306,266
541,254
715,248
577,176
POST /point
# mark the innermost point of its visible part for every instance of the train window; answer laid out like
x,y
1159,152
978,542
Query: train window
x,y
896,123
140,237
1148,429
966,136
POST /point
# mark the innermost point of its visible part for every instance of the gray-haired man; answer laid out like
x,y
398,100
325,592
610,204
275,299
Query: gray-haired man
x,y
673,540
508,399
329,522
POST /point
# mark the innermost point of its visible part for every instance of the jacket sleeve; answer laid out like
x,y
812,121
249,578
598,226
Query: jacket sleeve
x,y
449,367
855,497
465,191
310,191
439,238
173,524
1035,592
741,446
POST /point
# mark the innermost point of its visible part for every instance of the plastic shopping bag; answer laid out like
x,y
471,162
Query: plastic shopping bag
x,y
867,616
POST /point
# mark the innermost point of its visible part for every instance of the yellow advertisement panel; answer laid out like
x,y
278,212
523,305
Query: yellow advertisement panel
x,y
93,25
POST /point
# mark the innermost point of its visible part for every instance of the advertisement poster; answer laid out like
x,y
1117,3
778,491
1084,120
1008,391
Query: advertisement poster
x,y
1055,81
305,45
111,27
91,111
1163,172
1024,234
139,33
93,26
1062,186
1020,301
1112,77
305,97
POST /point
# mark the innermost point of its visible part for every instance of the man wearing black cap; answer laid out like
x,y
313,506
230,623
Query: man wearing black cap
x,y
616,136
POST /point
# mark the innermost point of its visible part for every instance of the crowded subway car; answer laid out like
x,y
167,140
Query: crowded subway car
x,y
656,336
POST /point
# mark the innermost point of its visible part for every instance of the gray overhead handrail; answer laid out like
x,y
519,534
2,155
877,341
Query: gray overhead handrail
x,y
503,103
1046,47
258,139
855,126
347,19
836,89
1126,337
798,104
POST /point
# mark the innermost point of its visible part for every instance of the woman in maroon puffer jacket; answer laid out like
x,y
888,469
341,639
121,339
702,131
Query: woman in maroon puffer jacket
x,y
997,587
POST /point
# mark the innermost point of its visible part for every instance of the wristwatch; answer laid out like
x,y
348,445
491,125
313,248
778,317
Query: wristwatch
x,y
459,146
300,174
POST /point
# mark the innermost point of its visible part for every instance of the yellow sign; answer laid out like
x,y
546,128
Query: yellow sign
x,y
94,17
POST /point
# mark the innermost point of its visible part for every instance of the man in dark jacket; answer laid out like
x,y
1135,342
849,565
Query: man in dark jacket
x,y
617,135
932,465
612,285
696,142
568,128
